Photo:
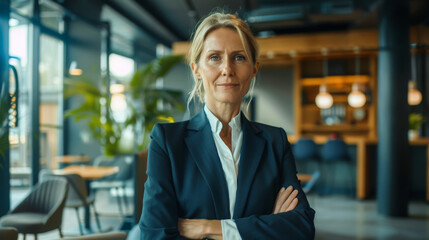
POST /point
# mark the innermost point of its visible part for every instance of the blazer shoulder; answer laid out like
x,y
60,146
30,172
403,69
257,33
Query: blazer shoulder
x,y
175,128
268,129
275,135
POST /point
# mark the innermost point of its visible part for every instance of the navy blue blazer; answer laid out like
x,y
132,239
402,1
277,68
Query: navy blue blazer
x,y
186,180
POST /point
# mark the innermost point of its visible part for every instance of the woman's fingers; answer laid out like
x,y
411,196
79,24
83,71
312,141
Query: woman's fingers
x,y
289,201
281,198
286,200
293,205
276,207
276,204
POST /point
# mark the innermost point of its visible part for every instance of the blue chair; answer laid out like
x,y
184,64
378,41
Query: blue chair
x,y
305,152
334,152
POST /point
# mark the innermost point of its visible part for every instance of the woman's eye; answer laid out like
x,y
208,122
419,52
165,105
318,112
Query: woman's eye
x,y
240,58
214,58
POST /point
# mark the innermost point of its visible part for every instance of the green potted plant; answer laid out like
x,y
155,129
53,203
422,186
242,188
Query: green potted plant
x,y
146,105
415,121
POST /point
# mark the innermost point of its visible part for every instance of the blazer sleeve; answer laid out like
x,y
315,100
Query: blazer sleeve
x,y
295,224
160,214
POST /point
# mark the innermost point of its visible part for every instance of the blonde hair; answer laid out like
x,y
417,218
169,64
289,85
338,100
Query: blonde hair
x,y
210,23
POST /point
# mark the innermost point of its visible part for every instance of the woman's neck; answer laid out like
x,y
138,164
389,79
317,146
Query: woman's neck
x,y
225,112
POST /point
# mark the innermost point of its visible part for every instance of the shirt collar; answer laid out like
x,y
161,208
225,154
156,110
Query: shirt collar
x,y
216,124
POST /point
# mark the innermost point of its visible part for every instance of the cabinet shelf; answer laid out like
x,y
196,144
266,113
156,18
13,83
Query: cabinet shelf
x,y
335,80
334,128
345,119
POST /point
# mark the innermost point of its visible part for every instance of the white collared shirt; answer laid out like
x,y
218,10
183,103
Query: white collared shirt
x,y
229,160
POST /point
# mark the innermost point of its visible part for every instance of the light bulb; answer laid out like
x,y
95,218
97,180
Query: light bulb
x,y
324,99
414,95
356,98
74,70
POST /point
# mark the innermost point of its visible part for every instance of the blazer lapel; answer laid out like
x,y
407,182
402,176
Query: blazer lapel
x,y
251,153
203,150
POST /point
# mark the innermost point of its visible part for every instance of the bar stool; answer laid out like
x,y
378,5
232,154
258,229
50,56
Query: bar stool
x,y
305,152
334,152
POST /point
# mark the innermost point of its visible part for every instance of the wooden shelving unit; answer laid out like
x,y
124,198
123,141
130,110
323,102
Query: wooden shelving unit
x,y
341,118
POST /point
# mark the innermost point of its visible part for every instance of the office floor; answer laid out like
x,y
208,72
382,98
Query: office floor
x,y
340,218
337,218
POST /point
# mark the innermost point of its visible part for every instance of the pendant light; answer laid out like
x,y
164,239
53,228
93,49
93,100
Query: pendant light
x,y
74,70
356,98
414,95
324,99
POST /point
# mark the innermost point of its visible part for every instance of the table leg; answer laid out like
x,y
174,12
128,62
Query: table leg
x,y
87,215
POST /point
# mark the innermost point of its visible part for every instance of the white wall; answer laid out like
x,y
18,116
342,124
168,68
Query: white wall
x,y
179,78
274,98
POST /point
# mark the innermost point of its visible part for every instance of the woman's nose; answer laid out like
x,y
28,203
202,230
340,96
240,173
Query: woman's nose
x,y
227,69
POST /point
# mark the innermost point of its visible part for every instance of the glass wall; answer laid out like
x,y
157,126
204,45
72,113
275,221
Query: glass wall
x,y
51,82
22,7
20,135
50,73
51,16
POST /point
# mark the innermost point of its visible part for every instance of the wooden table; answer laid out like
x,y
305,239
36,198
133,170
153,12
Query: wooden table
x,y
72,159
67,160
304,177
88,172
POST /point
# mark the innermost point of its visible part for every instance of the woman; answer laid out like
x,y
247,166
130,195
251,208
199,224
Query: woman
x,y
218,175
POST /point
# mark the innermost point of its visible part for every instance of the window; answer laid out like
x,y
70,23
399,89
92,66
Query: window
x,y
121,68
51,16
19,135
22,7
51,81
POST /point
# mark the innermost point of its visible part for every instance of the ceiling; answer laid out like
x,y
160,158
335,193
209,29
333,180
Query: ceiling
x,y
169,21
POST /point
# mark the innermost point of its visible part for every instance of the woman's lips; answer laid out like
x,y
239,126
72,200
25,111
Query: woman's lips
x,y
227,85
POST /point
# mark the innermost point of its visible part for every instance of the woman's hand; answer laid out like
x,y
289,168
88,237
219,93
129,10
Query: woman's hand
x,y
200,228
286,200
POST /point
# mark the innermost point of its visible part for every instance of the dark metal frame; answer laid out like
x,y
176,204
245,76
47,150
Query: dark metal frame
x,y
4,83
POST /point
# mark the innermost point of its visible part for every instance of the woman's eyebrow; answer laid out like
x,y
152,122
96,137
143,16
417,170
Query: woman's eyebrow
x,y
220,51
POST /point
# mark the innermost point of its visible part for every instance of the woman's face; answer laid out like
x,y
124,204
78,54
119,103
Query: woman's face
x,y
224,67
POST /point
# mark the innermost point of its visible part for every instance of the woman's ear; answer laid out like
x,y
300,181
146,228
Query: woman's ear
x,y
195,70
255,69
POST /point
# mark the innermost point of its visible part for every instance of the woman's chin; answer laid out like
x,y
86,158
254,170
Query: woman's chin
x,y
229,100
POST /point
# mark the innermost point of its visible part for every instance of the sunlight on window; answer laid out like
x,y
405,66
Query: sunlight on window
x,y
18,43
121,67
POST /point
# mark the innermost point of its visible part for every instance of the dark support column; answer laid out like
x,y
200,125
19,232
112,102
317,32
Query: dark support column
x,y
108,52
67,61
393,76
35,98
4,106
